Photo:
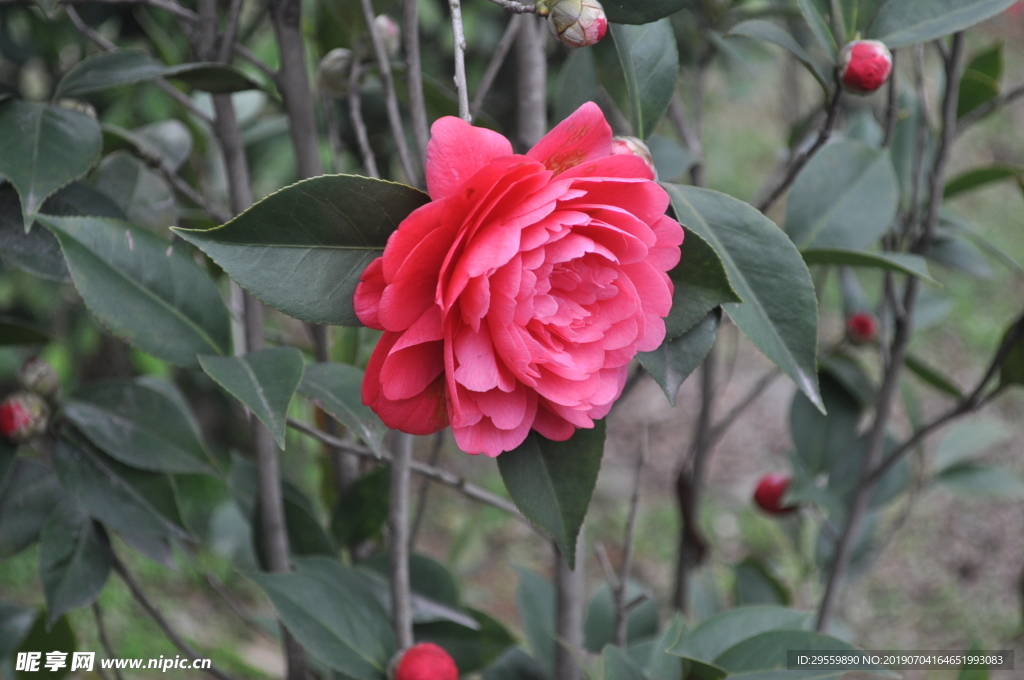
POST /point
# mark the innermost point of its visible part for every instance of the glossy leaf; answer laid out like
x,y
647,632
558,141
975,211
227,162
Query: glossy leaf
x,y
773,33
362,509
125,499
301,250
765,656
139,426
779,308
143,289
535,597
980,177
756,585
8,454
128,67
264,381
168,141
677,358
14,333
329,608
713,637
956,252
641,11
982,480
902,263
74,560
650,62
661,665
42,148
820,439
966,441
819,28
848,372
336,388
26,500
906,22
552,482
702,283
845,197
599,624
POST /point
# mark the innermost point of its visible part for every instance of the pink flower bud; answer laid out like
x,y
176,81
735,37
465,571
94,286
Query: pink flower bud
x,y
622,146
861,328
37,376
23,415
389,32
333,72
578,23
425,661
864,66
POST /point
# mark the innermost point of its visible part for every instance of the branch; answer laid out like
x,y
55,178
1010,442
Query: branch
x,y
515,7
989,107
398,540
719,429
173,8
459,36
531,79
355,110
497,59
892,110
421,503
414,77
101,631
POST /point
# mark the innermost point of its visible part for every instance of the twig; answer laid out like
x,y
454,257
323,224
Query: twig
x,y
622,587
459,36
166,5
158,618
989,107
414,77
570,600
421,503
398,540
494,66
101,631
721,427
227,41
801,159
391,97
892,110
250,56
606,566
531,79
515,7
355,110
234,605
181,186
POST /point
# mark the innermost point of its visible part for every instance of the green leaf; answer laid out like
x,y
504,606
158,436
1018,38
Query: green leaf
x,y
42,148
701,285
264,381
821,438
955,251
664,666
143,289
330,610
933,377
362,509
773,33
471,649
535,597
677,358
44,638
139,426
779,312
765,656
336,388
849,373
15,624
846,197
142,195
552,482
128,67
26,501
167,141
708,640
618,666
819,28
982,480
975,90
515,664
847,468
641,11
301,250
670,158
755,584
125,499
903,263
74,560
979,177
8,454
599,624
577,83
650,62
306,535
1011,368
906,22
14,333
966,441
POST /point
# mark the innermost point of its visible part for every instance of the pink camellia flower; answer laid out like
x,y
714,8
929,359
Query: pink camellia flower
x,y
516,298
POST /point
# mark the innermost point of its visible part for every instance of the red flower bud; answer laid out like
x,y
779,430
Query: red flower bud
x,y
37,376
425,661
864,66
635,147
23,415
769,493
861,328
578,23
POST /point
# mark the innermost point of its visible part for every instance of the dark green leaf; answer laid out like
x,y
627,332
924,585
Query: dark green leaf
x,y
618,666
15,624
966,441
144,289
471,649
662,665
26,501
74,560
979,177
306,535
168,141
42,148
955,251
599,624
677,358
515,664
330,610
641,11
846,197
755,584
302,249
773,33
914,265
362,509
577,83
905,22
336,388
932,376
139,426
434,592
264,381
821,438
982,480
848,372
128,67
140,193
1011,368
8,454
819,28
670,158
765,656
552,482
44,639
702,266
779,309
848,466
712,637
975,90
125,499
536,599
650,62
14,333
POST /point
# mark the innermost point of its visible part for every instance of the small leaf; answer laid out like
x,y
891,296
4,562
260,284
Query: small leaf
x,y
755,584
552,482
982,480
26,501
903,263
515,664
329,608
1011,368
264,381
301,250
128,67
905,22
714,636
819,28
336,388
139,426
306,535
74,560
820,439
779,312
143,288
362,509
979,177
773,33
42,148
966,441
933,377
641,11
677,358
650,62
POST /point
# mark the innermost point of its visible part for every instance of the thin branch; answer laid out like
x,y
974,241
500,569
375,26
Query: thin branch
x,y
391,97
181,186
606,566
459,36
101,631
398,540
494,66
355,111
721,427
414,77
158,618
515,7
250,56
622,587
166,5
892,110
227,41
421,503
988,108
531,79
570,601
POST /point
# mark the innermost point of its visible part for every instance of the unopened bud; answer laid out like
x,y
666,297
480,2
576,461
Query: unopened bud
x,y
864,66
861,328
38,376
23,415
578,23
333,72
389,33
622,146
